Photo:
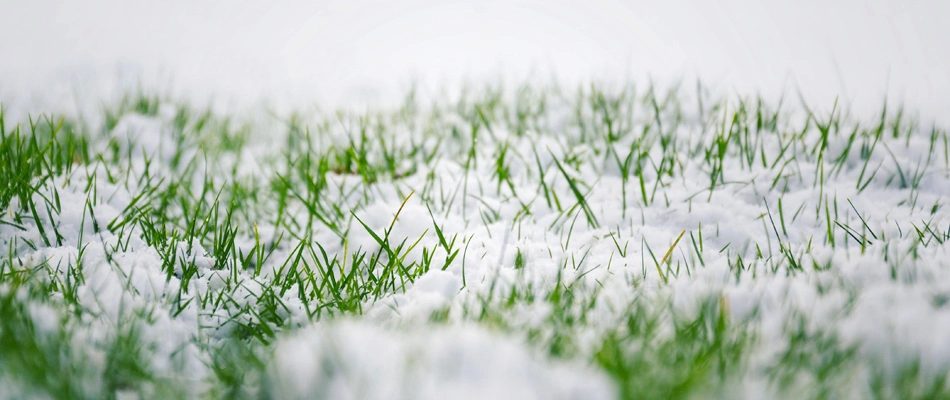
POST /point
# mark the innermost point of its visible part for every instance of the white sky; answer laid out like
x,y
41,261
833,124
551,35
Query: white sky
x,y
336,51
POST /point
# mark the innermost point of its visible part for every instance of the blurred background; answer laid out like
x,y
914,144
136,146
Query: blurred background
x,y
293,53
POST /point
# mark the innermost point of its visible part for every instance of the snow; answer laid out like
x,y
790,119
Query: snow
x,y
289,55
350,360
294,52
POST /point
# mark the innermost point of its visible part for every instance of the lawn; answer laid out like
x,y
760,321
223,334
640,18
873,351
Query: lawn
x,y
604,241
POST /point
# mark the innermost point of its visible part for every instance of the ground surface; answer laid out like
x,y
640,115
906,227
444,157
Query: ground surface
x,y
186,214
599,241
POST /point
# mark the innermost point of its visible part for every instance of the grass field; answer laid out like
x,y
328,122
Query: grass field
x,y
596,242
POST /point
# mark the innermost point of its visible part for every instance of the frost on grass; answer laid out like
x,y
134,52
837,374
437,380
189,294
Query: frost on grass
x,y
507,243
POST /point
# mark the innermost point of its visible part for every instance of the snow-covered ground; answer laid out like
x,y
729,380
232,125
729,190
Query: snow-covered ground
x,y
203,223
343,51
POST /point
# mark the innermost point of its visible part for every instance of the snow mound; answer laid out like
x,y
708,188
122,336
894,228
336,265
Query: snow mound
x,y
358,360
